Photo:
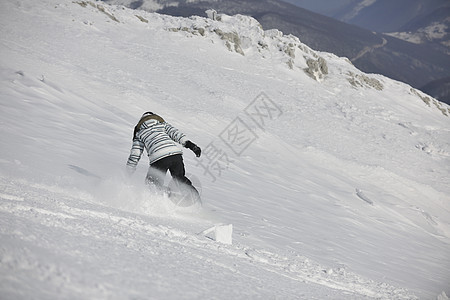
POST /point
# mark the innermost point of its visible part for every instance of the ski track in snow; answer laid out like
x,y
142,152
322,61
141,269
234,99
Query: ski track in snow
x,y
60,221
343,196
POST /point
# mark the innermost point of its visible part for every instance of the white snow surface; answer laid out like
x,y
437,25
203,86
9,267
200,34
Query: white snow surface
x,y
335,190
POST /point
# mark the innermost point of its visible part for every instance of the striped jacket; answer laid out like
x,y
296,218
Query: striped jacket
x,y
158,138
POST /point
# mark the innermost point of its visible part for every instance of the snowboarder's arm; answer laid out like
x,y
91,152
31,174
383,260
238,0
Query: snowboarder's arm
x,y
180,137
175,134
135,155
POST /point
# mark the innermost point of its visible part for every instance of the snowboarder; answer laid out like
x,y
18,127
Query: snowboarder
x,y
159,138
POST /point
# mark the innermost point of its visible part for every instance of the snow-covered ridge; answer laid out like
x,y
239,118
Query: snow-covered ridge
x,y
244,35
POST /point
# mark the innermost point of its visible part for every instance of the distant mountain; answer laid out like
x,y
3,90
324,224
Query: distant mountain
x,y
416,21
371,52
424,22
440,87
375,15
431,30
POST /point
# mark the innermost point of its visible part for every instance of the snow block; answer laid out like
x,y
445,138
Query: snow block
x,y
220,233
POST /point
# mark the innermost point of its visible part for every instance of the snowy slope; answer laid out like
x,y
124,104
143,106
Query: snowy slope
x,y
335,181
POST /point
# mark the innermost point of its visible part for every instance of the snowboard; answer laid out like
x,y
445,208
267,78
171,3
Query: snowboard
x,y
183,195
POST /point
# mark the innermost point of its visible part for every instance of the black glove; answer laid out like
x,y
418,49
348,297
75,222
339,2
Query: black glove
x,y
196,149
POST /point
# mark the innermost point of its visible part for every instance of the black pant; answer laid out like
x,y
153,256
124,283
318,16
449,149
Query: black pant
x,y
157,171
